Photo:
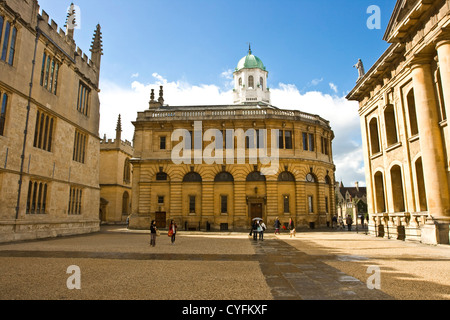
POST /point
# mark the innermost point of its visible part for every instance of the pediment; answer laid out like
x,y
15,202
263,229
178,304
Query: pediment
x,y
404,12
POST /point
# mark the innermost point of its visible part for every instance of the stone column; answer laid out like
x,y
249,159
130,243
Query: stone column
x,y
431,145
443,50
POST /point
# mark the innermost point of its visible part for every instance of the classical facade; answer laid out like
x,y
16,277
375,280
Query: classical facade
x,y
404,101
217,167
49,122
115,178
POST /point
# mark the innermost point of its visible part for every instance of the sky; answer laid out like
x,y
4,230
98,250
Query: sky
x,y
192,47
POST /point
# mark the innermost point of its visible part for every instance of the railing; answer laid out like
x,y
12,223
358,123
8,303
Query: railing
x,y
150,115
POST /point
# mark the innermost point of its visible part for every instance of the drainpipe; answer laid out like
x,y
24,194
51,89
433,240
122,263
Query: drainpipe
x,y
22,157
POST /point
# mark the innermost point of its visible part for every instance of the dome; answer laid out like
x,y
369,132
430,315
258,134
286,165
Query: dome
x,y
250,62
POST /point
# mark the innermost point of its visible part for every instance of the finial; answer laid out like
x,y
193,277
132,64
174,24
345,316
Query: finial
x,y
119,124
71,21
249,48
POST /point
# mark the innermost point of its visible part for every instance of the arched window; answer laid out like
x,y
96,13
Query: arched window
x,y
374,137
240,82
251,82
379,193
397,189
126,171
423,205
286,176
224,177
261,82
161,176
192,177
3,104
327,180
391,125
413,127
125,203
256,176
311,178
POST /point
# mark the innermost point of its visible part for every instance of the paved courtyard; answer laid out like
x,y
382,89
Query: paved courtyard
x,y
117,263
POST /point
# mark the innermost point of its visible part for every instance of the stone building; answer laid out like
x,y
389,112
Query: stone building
x,y
351,201
216,167
49,124
404,101
115,178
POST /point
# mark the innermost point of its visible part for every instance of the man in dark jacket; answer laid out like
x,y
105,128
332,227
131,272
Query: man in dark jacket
x,y
277,226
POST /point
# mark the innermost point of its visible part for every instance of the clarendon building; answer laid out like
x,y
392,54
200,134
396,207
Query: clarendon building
x,y
49,126
404,102
217,167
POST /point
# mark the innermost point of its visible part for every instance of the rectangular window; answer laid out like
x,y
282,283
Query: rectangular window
x,y
49,73
6,41
75,201
280,140
288,139
311,142
191,204
3,104
84,94
223,204
310,204
162,143
286,204
12,49
160,199
305,141
37,197
79,147
43,134
2,20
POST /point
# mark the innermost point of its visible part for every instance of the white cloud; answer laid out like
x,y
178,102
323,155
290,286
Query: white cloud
x,y
342,114
135,75
315,82
333,87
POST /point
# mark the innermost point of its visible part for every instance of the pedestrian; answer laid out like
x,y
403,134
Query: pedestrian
x,y
349,222
263,228
254,230
277,226
153,231
291,228
341,222
334,221
172,231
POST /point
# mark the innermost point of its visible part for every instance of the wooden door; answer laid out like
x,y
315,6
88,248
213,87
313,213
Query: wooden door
x,y
256,210
161,220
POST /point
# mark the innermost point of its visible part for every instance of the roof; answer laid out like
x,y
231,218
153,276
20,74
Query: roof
x,y
250,62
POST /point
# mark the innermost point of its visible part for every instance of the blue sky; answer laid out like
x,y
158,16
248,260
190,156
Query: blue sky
x,y
308,47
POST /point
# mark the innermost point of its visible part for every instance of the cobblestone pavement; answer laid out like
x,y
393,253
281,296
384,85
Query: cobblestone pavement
x,y
119,264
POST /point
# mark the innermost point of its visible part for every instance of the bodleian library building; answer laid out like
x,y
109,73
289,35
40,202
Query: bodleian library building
x,y
404,102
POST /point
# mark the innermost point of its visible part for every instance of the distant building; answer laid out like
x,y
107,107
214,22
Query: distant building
x,y
351,201
115,178
49,126
206,167
404,102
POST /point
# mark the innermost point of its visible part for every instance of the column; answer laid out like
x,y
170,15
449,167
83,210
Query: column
x,y
443,50
431,143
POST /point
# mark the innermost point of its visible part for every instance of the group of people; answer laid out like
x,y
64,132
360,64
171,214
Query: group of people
x,y
258,228
154,232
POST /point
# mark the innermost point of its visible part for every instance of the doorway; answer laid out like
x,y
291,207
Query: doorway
x,y
256,210
160,220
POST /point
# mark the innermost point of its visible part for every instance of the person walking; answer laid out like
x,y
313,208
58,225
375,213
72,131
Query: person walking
x,y
255,230
263,228
259,229
341,222
172,231
277,226
153,231
349,222
291,228
334,222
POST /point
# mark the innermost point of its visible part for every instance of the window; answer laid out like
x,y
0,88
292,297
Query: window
x,y
310,204
240,82
160,199
161,176
261,83
374,137
311,178
79,147
43,133
324,142
49,73
326,204
280,140
390,125
37,197
311,142
191,204
223,204
162,143
5,41
305,141
413,127
127,171
84,94
288,139
75,197
8,46
286,204
3,104
251,82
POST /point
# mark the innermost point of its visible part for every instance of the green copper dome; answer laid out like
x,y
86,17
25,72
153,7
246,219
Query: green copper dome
x,y
250,62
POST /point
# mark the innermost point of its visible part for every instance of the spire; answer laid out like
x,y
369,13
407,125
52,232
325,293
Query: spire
x,y
249,49
71,21
97,47
119,130
161,96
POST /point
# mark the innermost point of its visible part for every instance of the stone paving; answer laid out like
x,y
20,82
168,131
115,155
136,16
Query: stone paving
x,y
119,264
